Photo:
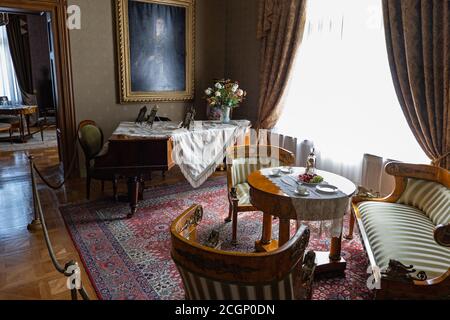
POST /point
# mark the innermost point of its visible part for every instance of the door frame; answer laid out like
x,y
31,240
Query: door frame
x,y
63,63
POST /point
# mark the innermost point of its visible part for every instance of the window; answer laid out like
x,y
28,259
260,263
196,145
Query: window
x,y
8,80
341,92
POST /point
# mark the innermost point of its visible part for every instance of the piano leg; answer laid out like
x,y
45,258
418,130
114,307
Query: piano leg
x,y
141,189
114,182
133,194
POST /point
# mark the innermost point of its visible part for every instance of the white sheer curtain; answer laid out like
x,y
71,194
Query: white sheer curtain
x,y
8,81
341,94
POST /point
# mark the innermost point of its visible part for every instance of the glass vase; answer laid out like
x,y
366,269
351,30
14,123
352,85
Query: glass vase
x,y
226,111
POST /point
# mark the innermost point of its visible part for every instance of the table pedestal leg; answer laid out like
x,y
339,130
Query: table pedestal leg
x,y
284,231
331,262
266,243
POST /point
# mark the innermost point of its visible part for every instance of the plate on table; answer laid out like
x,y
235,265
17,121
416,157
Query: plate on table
x,y
327,188
287,170
311,180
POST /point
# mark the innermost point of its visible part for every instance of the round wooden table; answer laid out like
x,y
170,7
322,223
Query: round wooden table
x,y
6,127
269,197
24,113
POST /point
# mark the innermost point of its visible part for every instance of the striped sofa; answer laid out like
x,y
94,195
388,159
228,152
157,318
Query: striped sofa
x,y
406,234
212,274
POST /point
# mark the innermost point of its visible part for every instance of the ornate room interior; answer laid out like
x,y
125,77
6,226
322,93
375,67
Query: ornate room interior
x,y
224,150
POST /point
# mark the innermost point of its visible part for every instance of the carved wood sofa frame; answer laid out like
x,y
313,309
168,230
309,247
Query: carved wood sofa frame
x,y
205,267
407,287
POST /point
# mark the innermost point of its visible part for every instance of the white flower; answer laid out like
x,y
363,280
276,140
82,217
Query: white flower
x,y
235,88
218,94
240,92
209,91
219,86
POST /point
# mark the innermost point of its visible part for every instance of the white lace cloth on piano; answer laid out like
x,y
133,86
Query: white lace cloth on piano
x,y
197,151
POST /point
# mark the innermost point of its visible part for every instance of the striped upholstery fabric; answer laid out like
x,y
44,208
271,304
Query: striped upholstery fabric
x,y
201,288
430,197
403,233
242,167
243,193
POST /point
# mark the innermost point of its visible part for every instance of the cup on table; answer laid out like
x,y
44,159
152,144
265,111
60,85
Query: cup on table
x,y
301,189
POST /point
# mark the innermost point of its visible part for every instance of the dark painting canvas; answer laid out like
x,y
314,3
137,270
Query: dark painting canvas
x,y
157,35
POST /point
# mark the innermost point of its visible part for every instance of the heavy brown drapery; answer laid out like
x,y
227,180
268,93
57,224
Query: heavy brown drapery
x,y
418,43
19,46
280,28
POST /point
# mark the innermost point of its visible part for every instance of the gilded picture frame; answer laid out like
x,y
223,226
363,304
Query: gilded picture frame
x,y
155,59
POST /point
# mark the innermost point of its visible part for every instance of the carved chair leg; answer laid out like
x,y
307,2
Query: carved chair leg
x,y
230,213
351,226
234,224
234,212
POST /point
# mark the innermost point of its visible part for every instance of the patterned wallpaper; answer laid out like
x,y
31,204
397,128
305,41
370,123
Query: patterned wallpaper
x,y
94,63
242,53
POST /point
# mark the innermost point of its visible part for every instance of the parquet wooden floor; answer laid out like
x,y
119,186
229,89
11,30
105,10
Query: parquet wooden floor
x,y
26,271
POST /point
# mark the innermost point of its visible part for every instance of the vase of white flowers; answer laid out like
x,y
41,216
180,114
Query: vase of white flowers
x,y
225,96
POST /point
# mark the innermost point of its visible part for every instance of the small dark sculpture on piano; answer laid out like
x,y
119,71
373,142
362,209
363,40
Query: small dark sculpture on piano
x,y
151,118
141,116
189,118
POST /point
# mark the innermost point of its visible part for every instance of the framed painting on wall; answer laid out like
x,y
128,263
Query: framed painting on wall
x,y
155,43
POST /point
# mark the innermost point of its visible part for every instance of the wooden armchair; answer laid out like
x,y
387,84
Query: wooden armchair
x,y
211,274
243,160
407,234
90,137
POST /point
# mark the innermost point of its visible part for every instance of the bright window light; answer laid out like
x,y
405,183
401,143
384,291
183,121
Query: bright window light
x,y
341,93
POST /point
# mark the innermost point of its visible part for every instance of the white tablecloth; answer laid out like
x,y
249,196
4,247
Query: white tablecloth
x,y
197,151
329,208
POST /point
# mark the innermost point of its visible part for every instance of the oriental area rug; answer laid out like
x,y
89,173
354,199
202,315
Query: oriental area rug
x,y
129,259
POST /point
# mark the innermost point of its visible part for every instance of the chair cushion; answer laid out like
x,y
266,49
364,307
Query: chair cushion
x,y
91,138
403,233
243,193
242,167
430,197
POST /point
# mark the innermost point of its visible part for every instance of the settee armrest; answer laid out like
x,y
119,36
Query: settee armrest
x,y
442,235
367,195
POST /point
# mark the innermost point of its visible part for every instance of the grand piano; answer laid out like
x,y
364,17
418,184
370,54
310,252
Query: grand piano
x,y
135,158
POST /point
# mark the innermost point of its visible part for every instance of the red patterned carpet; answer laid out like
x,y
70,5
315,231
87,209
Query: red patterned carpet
x,y
130,258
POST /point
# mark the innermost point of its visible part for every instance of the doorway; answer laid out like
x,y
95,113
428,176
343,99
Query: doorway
x,y
28,86
60,74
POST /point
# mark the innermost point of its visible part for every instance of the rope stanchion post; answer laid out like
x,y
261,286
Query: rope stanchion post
x,y
71,270
36,223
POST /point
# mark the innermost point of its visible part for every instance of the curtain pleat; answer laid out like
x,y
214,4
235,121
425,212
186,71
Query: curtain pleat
x,y
280,28
21,56
418,42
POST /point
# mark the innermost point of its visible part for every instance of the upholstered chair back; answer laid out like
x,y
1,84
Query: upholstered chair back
x,y
243,160
211,274
90,137
430,197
